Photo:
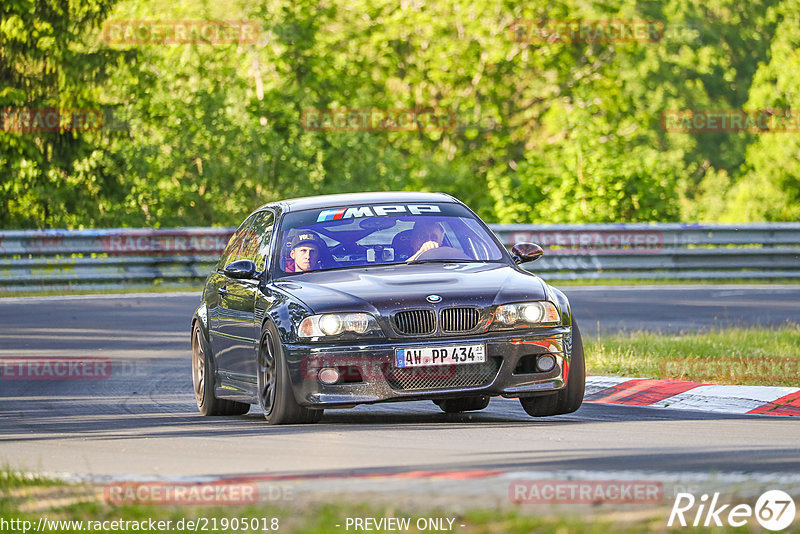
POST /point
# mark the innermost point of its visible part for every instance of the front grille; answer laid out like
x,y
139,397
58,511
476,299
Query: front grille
x,y
443,376
414,322
455,320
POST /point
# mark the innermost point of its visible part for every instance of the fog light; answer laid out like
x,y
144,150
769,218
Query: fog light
x,y
546,363
328,375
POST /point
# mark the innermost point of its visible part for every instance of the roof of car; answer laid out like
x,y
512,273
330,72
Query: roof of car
x,y
325,201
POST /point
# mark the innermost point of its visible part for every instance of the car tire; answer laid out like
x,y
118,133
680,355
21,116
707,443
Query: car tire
x,y
570,398
463,404
275,395
204,377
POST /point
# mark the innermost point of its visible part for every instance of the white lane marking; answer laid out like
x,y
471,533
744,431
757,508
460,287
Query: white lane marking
x,y
729,294
105,296
728,399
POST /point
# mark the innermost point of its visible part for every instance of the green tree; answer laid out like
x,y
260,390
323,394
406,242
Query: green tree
x,y
769,188
544,131
53,178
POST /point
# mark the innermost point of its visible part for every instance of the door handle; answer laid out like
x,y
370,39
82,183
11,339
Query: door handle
x,y
222,291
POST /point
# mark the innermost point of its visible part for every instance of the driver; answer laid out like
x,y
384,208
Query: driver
x,y
427,235
306,247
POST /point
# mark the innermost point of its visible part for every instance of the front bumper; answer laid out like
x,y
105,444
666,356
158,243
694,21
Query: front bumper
x,y
369,374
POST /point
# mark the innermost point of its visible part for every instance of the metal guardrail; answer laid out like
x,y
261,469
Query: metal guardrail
x,y
96,259
107,259
665,250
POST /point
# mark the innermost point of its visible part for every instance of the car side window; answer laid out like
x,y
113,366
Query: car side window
x,y
231,252
257,238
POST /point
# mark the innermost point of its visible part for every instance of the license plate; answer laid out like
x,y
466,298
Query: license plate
x,y
442,355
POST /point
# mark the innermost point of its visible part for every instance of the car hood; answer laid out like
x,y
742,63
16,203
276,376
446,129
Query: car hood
x,y
384,289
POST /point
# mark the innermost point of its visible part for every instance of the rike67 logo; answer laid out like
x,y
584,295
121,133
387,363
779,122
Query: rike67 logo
x,y
774,510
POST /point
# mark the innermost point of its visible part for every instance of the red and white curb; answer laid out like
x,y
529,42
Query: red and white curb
x,y
676,394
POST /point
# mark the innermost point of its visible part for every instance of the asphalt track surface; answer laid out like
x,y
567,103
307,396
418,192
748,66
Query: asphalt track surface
x,y
142,421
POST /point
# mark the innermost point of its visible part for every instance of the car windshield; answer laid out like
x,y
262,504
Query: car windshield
x,y
382,234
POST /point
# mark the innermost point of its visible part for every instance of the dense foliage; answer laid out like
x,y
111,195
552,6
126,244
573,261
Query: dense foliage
x,y
544,131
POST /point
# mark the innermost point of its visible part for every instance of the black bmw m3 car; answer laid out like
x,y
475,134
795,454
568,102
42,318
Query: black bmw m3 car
x,y
339,300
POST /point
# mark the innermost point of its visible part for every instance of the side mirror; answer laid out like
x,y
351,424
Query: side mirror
x,y
522,252
241,270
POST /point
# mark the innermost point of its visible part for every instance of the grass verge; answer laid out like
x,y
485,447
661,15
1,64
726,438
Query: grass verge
x,y
27,504
752,356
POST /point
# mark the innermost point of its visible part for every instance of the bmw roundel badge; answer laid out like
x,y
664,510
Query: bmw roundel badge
x,y
433,299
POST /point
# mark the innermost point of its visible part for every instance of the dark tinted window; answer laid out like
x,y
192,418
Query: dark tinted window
x,y
231,252
257,239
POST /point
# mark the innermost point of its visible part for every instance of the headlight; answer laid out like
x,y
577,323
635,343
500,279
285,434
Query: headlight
x,y
330,324
336,324
525,314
